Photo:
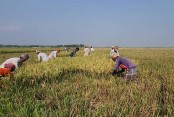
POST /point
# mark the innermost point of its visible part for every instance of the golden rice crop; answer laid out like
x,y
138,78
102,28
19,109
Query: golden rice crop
x,y
84,86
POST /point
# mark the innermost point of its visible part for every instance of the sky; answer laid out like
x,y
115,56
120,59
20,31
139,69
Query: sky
x,y
98,23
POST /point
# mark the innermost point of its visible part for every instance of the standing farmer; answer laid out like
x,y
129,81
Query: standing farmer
x,y
92,49
86,51
114,49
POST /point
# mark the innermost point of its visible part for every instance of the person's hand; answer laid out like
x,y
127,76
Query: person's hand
x,y
114,72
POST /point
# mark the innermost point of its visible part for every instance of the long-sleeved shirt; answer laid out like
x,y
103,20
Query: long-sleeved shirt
x,y
14,61
92,49
42,57
72,53
53,54
124,61
86,51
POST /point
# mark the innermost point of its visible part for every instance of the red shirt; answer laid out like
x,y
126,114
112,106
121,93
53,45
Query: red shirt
x,y
4,72
123,66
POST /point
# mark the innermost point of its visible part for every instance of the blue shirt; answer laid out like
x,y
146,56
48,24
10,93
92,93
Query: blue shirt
x,y
124,61
72,53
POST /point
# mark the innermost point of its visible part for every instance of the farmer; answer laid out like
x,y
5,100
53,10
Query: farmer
x,y
41,56
67,49
16,61
53,54
92,49
125,64
86,51
74,52
7,70
114,49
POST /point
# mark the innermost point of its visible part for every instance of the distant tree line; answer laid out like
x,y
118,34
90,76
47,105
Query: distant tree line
x,y
32,46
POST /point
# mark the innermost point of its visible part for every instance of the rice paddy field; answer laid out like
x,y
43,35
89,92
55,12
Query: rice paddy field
x,y
83,86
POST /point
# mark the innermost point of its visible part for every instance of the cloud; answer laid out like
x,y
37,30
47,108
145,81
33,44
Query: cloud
x,y
10,29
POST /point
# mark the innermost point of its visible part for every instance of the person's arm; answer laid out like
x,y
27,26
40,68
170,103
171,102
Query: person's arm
x,y
55,54
117,65
39,58
110,54
19,63
73,53
115,71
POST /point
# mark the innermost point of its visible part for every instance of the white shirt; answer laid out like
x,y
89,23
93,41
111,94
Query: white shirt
x,y
113,51
86,51
53,54
92,49
42,57
11,60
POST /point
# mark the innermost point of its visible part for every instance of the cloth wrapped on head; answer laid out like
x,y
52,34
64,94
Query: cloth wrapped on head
x,y
24,57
